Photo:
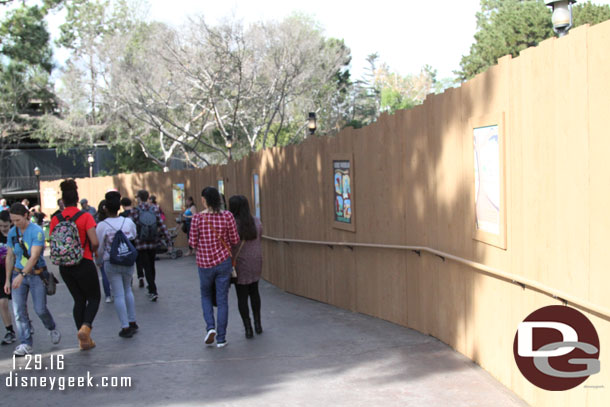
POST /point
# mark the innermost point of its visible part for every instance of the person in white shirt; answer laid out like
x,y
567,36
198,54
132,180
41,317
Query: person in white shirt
x,y
120,276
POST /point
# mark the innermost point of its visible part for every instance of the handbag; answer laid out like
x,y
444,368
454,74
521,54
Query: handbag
x,y
49,281
226,246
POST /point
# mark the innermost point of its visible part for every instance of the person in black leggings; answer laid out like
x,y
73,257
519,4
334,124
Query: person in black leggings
x,y
248,256
81,279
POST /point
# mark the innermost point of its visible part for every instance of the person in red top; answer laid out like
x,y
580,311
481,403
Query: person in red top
x,y
81,279
213,232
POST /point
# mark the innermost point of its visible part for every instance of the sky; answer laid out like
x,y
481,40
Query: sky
x,y
407,34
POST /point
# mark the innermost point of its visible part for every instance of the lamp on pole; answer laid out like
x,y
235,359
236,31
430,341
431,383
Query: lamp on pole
x,y
90,160
311,123
37,173
229,145
562,15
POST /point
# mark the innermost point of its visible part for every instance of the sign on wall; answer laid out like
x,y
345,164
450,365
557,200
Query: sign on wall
x,y
490,218
178,197
257,196
49,198
343,192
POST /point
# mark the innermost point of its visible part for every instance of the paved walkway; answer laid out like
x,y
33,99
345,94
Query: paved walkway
x,y
310,354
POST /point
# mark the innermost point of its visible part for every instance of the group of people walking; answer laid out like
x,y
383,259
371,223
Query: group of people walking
x,y
222,240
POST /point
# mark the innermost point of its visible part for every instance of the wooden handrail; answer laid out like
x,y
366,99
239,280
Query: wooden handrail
x,y
494,272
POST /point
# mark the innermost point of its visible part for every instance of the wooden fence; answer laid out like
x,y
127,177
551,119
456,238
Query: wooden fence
x,y
413,181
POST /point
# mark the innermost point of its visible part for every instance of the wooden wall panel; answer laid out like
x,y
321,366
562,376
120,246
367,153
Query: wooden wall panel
x,y
413,185
599,175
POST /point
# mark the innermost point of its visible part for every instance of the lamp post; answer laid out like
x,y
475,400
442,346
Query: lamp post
x,y
229,144
37,173
311,123
562,15
90,160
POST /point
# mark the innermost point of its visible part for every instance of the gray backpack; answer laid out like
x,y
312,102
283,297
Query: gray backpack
x,y
147,225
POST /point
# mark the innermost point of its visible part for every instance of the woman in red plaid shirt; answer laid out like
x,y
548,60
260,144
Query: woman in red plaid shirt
x,y
212,234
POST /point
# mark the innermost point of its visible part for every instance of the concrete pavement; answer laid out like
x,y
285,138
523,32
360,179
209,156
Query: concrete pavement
x,y
309,354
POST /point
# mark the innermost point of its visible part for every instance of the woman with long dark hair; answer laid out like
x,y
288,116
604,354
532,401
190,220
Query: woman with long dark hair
x,y
213,232
81,279
249,262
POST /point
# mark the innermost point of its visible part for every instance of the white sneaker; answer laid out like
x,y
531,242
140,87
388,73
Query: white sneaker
x,y
55,336
109,299
22,350
210,336
221,344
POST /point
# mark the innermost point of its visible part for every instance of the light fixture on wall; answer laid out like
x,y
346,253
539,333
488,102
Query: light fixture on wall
x,y
562,15
229,145
311,123
90,160
37,173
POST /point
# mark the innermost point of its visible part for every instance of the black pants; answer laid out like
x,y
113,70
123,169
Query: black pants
x,y
146,260
84,285
243,292
139,267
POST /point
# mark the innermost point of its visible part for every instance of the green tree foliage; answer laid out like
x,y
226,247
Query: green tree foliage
x,y
589,13
89,23
25,67
507,27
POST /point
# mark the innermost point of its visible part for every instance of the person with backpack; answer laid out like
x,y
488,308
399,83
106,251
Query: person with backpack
x,y
73,242
148,222
27,265
118,254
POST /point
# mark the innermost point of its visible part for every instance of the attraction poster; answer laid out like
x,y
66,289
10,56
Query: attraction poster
x,y
343,191
257,196
178,197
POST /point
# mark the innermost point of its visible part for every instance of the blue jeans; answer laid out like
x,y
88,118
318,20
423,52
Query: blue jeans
x,y
120,280
105,282
221,276
31,283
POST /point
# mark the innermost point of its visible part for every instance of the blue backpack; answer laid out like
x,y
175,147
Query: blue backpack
x,y
122,251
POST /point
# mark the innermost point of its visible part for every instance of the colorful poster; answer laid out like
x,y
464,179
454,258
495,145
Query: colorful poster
x,y
487,178
178,197
343,191
257,197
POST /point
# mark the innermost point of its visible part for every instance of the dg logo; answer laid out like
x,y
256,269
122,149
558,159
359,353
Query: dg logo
x,y
556,348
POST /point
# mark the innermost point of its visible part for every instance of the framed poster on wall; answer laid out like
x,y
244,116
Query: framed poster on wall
x,y
178,200
343,192
489,180
221,189
256,195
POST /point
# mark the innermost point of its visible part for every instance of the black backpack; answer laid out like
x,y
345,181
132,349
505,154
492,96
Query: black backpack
x,y
147,225
122,251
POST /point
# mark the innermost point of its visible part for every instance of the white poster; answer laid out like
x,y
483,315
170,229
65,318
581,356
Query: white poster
x,y
487,178
49,198
257,197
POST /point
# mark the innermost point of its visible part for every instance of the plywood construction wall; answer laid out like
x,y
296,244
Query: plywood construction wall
x,y
414,181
